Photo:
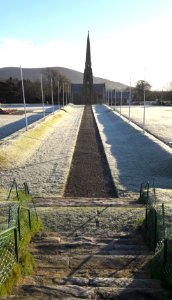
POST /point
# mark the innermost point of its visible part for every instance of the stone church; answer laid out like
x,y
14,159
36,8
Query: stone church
x,y
88,92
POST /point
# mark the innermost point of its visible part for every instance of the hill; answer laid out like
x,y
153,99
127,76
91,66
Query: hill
x,y
33,74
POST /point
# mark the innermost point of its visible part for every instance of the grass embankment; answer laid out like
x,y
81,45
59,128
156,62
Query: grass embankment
x,y
22,148
26,264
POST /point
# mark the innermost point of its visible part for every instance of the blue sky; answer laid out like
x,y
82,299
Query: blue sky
x,y
127,37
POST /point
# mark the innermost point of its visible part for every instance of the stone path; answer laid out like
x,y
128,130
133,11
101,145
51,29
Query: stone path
x,y
87,257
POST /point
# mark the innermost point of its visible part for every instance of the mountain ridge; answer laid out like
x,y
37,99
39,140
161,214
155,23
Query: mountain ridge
x,y
74,76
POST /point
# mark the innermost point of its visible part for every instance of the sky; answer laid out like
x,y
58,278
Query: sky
x,y
130,39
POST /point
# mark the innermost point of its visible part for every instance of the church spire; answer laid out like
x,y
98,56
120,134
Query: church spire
x,y
88,53
88,76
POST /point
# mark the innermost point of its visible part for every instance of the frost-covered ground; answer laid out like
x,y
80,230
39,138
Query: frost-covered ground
x,y
158,119
134,157
47,169
10,123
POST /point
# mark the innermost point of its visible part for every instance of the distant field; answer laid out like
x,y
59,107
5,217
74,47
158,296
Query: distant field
x,y
158,119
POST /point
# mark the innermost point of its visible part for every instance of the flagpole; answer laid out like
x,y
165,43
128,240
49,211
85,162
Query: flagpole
x,y
144,103
24,101
129,117
52,96
42,93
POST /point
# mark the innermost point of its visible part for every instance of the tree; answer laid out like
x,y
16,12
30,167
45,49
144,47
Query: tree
x,y
141,85
57,81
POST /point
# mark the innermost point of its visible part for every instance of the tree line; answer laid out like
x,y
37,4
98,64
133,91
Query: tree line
x,y
52,79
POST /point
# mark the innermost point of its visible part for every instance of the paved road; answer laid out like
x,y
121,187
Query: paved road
x,y
9,124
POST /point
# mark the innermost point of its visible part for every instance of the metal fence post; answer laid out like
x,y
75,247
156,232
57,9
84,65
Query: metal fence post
x,y
16,244
165,252
146,218
29,217
18,221
155,236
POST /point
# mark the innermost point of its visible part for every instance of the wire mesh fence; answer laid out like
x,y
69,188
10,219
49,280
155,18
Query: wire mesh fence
x,y
157,229
16,222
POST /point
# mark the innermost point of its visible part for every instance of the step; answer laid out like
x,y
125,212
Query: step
x,y
88,247
78,292
122,282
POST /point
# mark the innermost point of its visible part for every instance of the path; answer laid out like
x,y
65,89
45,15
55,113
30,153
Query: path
x,y
90,252
89,175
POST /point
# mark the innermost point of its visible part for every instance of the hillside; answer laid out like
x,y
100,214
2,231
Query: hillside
x,y
74,76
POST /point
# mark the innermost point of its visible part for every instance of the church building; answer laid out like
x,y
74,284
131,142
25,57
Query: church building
x,y
88,92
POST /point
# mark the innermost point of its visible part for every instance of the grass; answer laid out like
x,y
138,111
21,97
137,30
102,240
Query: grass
x,y
83,219
26,263
22,148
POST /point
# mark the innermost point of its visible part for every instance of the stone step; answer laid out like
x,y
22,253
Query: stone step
x,y
98,202
92,266
122,282
78,292
83,247
50,275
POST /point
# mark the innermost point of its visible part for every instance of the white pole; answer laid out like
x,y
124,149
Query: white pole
x,y
111,97
58,94
24,101
66,92
63,94
42,93
144,102
115,99
121,102
129,112
52,96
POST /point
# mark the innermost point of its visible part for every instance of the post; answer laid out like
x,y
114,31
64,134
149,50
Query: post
x,y
129,112
24,101
52,96
115,99
144,104
58,94
18,221
42,93
66,92
155,233
165,252
63,94
29,218
16,244
121,102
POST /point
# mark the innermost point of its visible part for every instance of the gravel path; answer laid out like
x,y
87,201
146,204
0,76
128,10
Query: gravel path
x,y
47,170
89,175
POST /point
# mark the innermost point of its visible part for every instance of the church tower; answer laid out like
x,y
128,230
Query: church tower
x,y
88,97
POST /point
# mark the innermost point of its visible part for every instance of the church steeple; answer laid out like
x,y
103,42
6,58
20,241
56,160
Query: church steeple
x,y
88,76
88,53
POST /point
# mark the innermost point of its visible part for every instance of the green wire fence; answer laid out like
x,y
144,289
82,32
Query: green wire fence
x,y
157,230
20,221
